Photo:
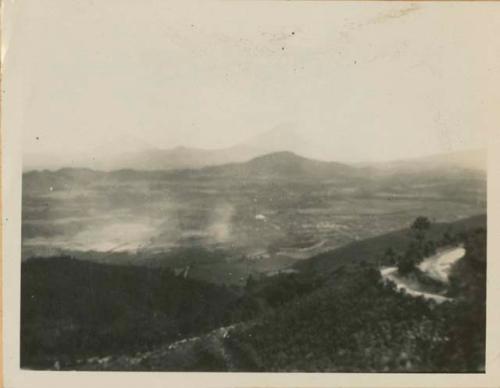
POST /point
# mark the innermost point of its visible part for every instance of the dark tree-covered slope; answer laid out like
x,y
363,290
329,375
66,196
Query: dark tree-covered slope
x,y
72,308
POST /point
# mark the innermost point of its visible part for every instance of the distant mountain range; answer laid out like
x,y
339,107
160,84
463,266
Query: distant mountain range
x,y
279,139
475,159
259,158
284,164
148,159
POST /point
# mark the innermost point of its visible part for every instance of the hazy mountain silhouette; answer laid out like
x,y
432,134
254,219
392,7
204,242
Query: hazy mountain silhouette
x,y
475,160
284,165
278,139
179,158
148,159
283,138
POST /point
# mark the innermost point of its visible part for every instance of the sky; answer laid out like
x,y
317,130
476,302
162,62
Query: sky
x,y
358,81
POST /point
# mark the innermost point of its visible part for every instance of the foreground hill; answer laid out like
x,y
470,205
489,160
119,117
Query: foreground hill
x,y
72,309
355,322
335,315
372,251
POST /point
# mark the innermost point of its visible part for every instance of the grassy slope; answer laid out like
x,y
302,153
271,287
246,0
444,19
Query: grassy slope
x,y
372,250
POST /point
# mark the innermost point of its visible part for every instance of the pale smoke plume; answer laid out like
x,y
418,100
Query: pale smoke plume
x,y
220,223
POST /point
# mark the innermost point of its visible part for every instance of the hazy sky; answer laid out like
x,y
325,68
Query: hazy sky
x,y
363,81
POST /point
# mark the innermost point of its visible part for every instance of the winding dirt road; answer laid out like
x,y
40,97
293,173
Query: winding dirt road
x,y
437,267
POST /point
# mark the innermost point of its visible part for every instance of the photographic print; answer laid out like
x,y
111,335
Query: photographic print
x,y
280,187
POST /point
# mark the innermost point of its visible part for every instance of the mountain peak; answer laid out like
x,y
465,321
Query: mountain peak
x,y
280,155
285,165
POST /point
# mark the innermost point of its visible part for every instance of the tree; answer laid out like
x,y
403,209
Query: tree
x,y
405,265
420,226
448,237
429,248
390,255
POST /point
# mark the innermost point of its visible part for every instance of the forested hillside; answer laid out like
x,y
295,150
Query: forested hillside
x,y
357,322
74,309
335,315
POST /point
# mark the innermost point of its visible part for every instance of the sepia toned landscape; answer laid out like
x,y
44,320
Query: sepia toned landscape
x,y
251,186
239,267
259,216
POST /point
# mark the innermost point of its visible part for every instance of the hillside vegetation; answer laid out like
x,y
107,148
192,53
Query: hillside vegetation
x,y
74,309
336,314
356,322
